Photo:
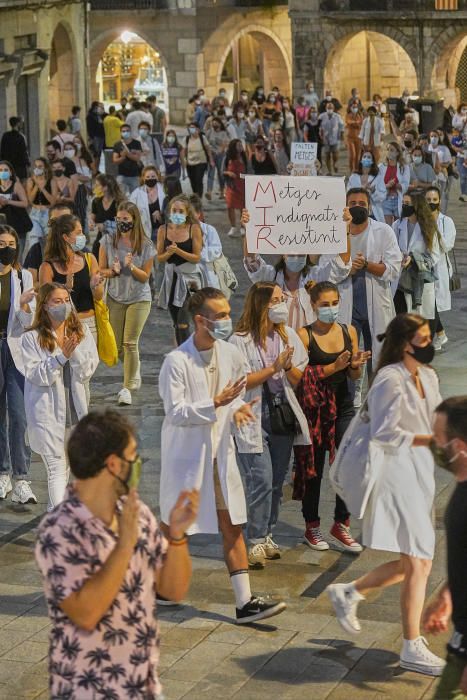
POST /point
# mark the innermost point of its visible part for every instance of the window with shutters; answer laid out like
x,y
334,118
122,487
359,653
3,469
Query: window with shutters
x,y
446,4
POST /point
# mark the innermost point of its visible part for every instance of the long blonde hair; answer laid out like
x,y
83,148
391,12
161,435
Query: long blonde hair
x,y
137,235
254,319
190,212
42,323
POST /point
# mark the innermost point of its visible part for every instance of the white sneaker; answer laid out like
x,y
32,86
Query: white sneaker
x,y
440,340
256,556
271,548
124,397
5,486
415,656
345,605
234,232
22,493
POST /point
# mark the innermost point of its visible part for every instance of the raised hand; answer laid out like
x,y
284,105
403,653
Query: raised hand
x,y
128,522
230,392
184,513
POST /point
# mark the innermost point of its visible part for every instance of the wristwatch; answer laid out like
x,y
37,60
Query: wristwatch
x,y
365,264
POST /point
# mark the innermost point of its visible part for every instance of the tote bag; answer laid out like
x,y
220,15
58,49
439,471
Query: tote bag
x,y
106,344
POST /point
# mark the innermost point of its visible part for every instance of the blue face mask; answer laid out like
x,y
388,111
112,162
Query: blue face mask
x,y
367,162
295,263
80,242
328,314
178,219
221,330
4,175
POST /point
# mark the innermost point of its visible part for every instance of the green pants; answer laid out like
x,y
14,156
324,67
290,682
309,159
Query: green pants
x,y
448,686
127,321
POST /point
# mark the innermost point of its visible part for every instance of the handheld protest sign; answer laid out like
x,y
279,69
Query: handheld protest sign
x,y
303,157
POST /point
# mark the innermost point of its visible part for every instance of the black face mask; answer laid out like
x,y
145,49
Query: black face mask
x,y
441,457
7,255
359,215
433,206
58,173
124,226
408,144
407,210
423,355
151,182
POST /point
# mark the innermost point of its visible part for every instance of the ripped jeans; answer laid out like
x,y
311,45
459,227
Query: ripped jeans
x,y
127,321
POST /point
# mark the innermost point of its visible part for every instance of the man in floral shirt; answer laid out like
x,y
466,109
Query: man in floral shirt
x,y
103,557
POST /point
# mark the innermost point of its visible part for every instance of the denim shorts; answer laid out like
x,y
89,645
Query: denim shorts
x,y
391,207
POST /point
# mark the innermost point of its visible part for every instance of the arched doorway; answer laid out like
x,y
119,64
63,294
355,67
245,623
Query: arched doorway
x,y
449,78
254,57
130,67
61,76
371,62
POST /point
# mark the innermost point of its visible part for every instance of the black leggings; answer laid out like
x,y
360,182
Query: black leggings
x,y
179,315
401,307
310,501
196,175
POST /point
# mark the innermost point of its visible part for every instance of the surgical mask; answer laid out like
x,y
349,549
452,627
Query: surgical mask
x,y
177,219
330,111
407,210
126,134
328,314
38,171
124,226
222,93
278,313
434,206
295,263
367,162
79,243
151,182
313,116
424,355
5,175
221,329
69,152
60,312
434,140
354,110
251,114
7,255
143,133
134,474
392,155
417,160
260,92
170,140
442,457
78,147
192,130
57,173
240,115
359,214
328,98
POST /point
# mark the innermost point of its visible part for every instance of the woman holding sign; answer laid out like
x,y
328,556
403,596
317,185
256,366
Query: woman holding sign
x,y
276,358
235,166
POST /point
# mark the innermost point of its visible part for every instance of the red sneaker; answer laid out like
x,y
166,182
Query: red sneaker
x,y
313,537
342,534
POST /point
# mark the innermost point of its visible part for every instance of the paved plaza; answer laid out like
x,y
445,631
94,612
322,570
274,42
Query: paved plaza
x,y
303,653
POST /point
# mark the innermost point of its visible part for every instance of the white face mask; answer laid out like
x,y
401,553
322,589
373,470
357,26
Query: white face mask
x,y
278,313
295,263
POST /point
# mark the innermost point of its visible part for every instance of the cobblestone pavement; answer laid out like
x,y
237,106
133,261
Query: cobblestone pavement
x,y
301,653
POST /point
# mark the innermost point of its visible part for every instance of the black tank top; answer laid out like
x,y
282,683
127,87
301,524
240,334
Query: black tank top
x,y
317,356
187,246
81,294
40,198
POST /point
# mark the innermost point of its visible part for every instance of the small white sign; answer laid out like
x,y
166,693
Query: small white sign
x,y
302,157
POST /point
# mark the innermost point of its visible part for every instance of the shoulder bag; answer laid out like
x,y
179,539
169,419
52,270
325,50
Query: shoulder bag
x,y
226,276
106,344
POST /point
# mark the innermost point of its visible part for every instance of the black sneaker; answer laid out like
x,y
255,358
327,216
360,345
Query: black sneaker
x,y
165,601
259,609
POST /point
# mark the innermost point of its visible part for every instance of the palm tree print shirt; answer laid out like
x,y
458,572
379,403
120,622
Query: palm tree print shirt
x,y
118,659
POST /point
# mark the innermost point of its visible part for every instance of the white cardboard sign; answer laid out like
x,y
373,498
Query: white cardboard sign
x,y
295,215
302,157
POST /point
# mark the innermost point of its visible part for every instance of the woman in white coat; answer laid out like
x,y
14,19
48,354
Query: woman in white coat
x,y
17,301
293,272
417,234
368,176
398,517
396,177
275,359
60,356
372,132
150,200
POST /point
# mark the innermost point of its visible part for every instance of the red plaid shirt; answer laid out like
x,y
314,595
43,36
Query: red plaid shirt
x,y
318,402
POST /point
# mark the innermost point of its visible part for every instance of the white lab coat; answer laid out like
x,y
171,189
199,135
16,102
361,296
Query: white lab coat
x,y
249,437
377,197
443,269
18,320
398,517
139,196
211,250
330,268
44,392
187,450
365,132
404,180
417,245
381,247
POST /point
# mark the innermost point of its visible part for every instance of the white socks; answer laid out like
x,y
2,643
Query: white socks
x,y
240,580
352,592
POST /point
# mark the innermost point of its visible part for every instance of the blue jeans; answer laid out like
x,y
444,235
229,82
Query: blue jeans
x,y
128,183
40,221
462,175
391,207
218,163
263,476
12,417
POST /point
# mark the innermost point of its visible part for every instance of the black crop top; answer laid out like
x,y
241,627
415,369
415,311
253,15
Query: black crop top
x,y
81,294
40,198
187,246
318,356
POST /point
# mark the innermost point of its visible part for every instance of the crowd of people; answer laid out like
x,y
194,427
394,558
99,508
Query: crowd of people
x,y
92,232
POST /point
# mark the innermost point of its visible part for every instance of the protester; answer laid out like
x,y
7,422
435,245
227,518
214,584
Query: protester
x,y
95,128
127,156
159,117
290,122
212,246
151,151
74,121
274,360
280,152
17,303
422,175
218,140
442,162
62,136
112,126
41,192
107,197
65,187
126,258
35,256
261,160
368,177
235,166
14,204
372,133
83,161
60,357
173,154
398,516
310,95
198,156
179,244
14,148
353,125
237,126
201,384
121,560
328,100
331,131
326,400
312,130
254,128
150,200
396,176
54,155
135,117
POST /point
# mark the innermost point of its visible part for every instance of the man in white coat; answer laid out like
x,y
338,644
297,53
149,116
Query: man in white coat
x,y
201,384
443,268
376,261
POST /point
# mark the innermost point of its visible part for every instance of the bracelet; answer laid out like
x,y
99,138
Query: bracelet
x,y
178,543
365,264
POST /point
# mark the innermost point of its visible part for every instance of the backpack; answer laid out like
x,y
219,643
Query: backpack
x,y
226,276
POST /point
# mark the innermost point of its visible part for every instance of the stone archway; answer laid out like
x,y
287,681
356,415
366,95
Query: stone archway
x,y
447,54
62,79
370,61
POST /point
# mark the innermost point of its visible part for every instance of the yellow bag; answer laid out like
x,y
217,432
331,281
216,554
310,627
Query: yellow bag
x,y
106,344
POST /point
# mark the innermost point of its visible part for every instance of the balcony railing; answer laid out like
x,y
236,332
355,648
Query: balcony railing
x,y
390,5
